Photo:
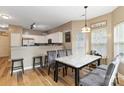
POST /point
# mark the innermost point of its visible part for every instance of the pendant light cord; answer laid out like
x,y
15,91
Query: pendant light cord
x,y
85,15
85,28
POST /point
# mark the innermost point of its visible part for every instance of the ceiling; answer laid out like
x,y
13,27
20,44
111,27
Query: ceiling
x,y
48,17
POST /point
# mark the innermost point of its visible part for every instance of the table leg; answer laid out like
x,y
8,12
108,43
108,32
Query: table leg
x,y
77,76
33,63
56,72
98,62
66,68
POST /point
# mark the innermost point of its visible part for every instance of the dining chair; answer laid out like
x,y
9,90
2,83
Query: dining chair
x,y
116,61
102,77
52,55
61,53
98,77
94,52
68,52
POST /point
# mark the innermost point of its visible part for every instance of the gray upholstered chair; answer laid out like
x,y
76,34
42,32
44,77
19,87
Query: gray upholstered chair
x,y
98,77
61,53
93,52
109,74
102,75
116,61
51,61
68,52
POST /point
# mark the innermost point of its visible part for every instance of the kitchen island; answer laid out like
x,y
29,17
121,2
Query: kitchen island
x,y
28,52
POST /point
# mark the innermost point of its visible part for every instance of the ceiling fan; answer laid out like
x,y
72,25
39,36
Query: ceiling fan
x,y
33,25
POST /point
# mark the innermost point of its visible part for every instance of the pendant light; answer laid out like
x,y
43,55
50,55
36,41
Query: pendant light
x,y
85,28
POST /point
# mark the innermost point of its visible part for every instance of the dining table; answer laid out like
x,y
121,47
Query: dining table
x,y
76,62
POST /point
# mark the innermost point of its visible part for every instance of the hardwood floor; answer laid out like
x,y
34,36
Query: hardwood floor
x,y
37,77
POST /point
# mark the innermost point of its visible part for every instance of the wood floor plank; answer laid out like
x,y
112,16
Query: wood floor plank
x,y
38,77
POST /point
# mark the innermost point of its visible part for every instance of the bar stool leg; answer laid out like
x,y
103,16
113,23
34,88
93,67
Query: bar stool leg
x,y
46,61
22,66
66,68
12,68
63,71
41,62
48,70
33,63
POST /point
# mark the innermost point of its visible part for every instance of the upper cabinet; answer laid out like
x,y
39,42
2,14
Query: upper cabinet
x,y
56,37
40,39
37,38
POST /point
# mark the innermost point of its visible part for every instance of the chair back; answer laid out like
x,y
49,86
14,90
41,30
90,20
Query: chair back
x,y
61,53
116,61
51,56
68,52
121,65
93,52
109,73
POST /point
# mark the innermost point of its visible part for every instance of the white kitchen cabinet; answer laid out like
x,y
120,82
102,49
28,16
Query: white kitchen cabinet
x,y
50,36
45,39
60,37
41,39
56,37
16,39
37,39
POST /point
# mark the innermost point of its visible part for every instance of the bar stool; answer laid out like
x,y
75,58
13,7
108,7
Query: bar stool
x,y
46,61
38,63
17,67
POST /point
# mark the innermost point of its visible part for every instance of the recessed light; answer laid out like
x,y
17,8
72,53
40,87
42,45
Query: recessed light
x,y
5,16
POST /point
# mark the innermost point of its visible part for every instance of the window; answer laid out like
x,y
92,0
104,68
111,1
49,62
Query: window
x,y
80,43
119,39
99,41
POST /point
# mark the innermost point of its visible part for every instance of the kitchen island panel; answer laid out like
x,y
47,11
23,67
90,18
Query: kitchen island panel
x,y
28,52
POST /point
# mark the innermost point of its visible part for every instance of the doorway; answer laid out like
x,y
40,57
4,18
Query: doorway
x,y
4,44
